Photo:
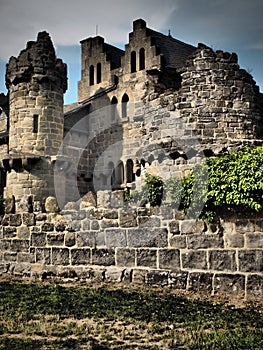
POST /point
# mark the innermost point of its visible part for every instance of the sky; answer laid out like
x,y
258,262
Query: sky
x,y
233,26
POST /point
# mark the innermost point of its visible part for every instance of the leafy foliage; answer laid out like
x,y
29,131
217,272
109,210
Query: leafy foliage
x,y
229,180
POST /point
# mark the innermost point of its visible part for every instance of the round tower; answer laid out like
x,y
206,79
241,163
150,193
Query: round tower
x,y
36,81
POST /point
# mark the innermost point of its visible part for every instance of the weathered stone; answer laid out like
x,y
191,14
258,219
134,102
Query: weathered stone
x,y
204,241
128,219
229,284
200,282
147,257
234,240
85,239
174,227
255,287
169,259
254,240
176,241
157,278
244,226
47,227
9,205
115,238
194,260
28,219
43,256
60,256
55,239
125,257
80,256
70,239
250,260
51,205
38,239
104,257
178,280
147,237
15,219
9,232
222,260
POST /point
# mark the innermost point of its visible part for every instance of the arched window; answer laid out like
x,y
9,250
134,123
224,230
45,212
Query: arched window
x,y
98,73
119,173
124,106
114,111
111,173
142,58
133,61
91,75
129,171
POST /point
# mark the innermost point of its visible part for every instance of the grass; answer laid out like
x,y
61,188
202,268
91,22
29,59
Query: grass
x,y
54,316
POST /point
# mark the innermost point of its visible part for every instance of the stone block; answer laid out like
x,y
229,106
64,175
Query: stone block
x,y
244,226
60,226
70,239
10,257
85,239
38,239
15,220
60,256
250,260
192,226
194,260
107,223
204,241
255,287
157,278
169,259
25,258
47,227
200,282
178,280
128,219
254,240
115,238
125,257
147,258
51,205
9,232
55,239
176,241
147,237
104,257
229,284
149,222
222,260
19,245
115,274
80,256
174,227
28,219
234,240
23,232
110,214
43,256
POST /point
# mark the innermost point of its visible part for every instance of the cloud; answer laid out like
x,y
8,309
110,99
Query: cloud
x,y
70,21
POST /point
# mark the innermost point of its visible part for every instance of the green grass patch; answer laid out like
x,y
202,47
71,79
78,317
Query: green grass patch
x,y
53,316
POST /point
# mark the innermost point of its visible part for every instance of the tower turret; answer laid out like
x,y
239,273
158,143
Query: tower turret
x,y
36,81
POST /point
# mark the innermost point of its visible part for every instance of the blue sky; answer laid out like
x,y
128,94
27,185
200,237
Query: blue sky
x,y
234,26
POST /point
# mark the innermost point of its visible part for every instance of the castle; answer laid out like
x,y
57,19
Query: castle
x,y
159,106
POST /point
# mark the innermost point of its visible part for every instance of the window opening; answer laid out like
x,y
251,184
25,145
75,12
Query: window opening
x,y
91,75
133,61
142,58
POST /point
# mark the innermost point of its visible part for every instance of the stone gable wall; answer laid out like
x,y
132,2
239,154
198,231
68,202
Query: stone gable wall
x,y
156,246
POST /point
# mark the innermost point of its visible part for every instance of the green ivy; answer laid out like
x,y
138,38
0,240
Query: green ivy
x,y
229,180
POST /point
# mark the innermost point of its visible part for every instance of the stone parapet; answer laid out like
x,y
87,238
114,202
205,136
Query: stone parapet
x,y
143,245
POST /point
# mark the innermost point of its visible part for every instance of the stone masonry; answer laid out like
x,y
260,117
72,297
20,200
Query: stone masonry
x,y
159,106
156,246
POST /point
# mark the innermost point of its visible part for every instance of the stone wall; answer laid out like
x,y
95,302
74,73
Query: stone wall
x,y
156,246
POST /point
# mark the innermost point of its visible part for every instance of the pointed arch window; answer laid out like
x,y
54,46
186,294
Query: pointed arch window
x,y
114,112
119,174
98,73
133,61
142,58
91,75
124,106
129,171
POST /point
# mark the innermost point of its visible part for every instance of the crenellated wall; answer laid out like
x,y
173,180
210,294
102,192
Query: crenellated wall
x,y
156,246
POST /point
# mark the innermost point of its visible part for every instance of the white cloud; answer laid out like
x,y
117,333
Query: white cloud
x,y
69,21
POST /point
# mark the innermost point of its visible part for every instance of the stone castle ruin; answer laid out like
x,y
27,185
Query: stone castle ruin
x,y
159,107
